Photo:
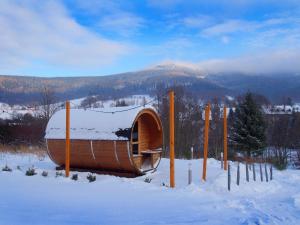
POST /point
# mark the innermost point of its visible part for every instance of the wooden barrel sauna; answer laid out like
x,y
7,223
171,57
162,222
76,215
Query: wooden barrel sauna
x,y
123,142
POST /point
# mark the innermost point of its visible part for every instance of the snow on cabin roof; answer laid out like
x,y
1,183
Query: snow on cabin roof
x,y
92,125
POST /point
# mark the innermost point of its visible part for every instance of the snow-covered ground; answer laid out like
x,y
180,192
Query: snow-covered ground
x,y
7,111
115,200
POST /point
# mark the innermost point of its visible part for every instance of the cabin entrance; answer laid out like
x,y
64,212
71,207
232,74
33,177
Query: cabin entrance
x,y
146,141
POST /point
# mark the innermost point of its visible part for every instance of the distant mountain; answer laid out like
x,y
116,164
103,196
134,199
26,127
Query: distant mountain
x,y
24,89
273,87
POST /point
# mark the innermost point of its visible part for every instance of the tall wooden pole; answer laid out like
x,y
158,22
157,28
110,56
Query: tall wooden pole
x,y
172,137
67,158
225,137
207,114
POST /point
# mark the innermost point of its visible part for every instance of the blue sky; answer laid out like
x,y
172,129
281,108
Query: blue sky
x,y
73,37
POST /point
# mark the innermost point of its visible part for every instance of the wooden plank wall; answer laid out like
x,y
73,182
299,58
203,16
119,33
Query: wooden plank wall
x,y
103,156
110,155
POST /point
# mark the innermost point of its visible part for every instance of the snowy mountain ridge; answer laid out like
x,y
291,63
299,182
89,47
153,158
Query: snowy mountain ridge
x,y
26,89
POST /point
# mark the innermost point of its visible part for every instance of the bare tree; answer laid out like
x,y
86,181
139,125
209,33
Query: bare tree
x,y
188,120
48,103
216,129
89,101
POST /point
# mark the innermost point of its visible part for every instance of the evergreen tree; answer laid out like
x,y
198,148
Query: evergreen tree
x,y
248,131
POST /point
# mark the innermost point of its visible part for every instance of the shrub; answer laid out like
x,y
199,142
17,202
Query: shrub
x,y
44,173
30,172
91,177
58,174
280,164
74,177
6,168
148,180
19,168
164,184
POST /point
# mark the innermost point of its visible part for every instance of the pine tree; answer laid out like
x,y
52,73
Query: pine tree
x,y
248,131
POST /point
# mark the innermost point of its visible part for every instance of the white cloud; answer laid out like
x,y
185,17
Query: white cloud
x,y
123,23
164,3
117,17
225,39
171,49
35,31
238,4
280,37
93,6
198,21
232,26
270,62
229,26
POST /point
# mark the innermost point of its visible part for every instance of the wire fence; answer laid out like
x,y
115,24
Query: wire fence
x,y
96,109
116,111
265,173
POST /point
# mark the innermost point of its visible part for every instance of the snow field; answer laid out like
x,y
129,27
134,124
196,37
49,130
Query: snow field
x,y
115,200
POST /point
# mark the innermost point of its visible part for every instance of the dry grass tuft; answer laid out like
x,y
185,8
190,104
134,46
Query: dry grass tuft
x,y
40,151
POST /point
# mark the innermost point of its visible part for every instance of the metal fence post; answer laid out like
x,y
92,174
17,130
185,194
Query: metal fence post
x,y
238,174
261,173
229,177
190,174
266,172
254,174
247,172
221,160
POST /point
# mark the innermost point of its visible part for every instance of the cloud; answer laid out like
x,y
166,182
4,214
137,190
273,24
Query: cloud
x,y
225,39
93,6
233,26
164,3
272,62
278,61
225,3
123,23
44,32
117,17
229,26
198,21
171,49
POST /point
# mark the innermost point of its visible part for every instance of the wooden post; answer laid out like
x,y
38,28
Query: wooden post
x,y
207,114
172,137
271,173
225,137
67,158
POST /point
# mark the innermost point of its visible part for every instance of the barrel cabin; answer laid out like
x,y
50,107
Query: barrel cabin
x,y
121,140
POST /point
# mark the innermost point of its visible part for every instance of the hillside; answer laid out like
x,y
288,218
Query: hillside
x,y
24,89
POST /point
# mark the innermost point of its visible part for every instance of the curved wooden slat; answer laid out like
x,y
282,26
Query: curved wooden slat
x,y
112,155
